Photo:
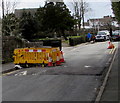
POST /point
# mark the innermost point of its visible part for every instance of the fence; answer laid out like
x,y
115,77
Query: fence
x,y
38,56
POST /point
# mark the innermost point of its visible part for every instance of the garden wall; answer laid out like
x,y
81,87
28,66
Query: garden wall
x,y
9,43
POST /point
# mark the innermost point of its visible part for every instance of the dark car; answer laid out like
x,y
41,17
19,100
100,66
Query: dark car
x,y
116,36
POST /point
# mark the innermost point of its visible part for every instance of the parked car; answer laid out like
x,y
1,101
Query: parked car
x,y
102,36
116,35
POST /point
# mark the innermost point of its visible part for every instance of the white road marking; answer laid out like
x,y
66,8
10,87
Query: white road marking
x,y
87,66
21,73
95,88
24,73
16,74
34,74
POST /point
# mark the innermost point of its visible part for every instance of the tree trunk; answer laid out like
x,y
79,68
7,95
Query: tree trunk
x,y
3,9
63,33
79,23
83,21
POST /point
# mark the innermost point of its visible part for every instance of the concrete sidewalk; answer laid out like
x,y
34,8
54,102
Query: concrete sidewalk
x,y
7,66
111,90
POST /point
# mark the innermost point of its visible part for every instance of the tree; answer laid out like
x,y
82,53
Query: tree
x,y
49,19
39,18
116,10
77,13
64,21
8,7
80,9
28,25
55,18
10,25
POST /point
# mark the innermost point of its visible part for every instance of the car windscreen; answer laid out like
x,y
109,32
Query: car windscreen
x,y
116,33
101,33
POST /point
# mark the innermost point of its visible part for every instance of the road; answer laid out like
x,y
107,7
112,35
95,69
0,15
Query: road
x,y
78,79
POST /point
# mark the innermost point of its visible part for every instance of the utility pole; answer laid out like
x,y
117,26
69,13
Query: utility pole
x,y
98,25
3,14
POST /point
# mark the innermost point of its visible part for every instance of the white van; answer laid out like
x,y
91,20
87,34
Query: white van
x,y
102,35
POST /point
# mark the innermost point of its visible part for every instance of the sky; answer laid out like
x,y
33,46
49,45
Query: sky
x,y
99,8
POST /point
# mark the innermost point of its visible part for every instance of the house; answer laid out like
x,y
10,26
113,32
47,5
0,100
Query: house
x,y
18,12
101,23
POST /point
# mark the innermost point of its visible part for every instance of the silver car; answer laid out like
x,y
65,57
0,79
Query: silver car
x,y
102,36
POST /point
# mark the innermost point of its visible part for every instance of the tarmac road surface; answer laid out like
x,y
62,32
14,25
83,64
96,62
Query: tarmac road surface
x,y
78,79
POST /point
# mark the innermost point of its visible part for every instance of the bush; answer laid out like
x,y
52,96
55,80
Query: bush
x,y
50,42
77,40
9,43
74,36
53,43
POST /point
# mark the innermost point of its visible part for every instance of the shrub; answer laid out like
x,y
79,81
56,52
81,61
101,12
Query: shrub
x,y
77,40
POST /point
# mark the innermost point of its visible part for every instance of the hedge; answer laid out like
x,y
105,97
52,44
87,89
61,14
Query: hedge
x,y
51,42
75,41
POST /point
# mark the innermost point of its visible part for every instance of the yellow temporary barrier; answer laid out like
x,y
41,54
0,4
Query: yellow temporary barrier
x,y
36,55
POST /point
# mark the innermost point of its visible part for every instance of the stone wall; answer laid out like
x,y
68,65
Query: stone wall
x,y
9,43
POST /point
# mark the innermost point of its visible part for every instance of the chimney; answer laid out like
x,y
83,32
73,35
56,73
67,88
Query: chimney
x,y
106,16
54,0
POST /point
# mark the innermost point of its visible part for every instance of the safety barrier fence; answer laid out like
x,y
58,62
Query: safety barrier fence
x,y
38,56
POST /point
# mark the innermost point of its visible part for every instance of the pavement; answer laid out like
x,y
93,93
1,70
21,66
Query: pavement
x,y
111,91
7,66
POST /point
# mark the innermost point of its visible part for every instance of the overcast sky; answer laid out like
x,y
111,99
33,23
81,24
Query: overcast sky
x,y
99,8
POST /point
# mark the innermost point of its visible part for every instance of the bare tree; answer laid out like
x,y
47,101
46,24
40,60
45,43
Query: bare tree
x,y
8,7
85,9
10,25
77,12
9,21
2,8
80,8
